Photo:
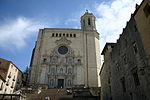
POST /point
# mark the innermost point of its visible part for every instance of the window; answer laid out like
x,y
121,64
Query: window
x,y
44,60
7,82
64,34
1,88
60,35
14,78
125,59
122,80
5,91
70,35
62,50
74,35
0,62
67,35
83,22
147,10
135,28
89,21
56,34
135,47
52,34
136,78
118,67
12,85
9,76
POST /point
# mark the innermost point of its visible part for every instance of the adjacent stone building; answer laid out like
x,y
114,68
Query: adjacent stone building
x,y
66,57
10,77
126,68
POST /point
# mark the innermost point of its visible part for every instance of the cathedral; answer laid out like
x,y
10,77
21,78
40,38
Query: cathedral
x,y
64,57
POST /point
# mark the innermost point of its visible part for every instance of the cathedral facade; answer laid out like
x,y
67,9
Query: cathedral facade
x,y
66,57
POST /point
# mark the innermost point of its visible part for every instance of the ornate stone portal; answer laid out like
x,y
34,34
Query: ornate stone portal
x,y
62,65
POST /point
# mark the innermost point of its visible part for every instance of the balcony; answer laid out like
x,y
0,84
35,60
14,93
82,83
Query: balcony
x,y
9,76
14,79
7,83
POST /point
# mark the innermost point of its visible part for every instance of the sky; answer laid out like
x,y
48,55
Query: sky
x,y
20,21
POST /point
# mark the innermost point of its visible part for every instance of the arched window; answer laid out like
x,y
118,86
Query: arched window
x,y
52,34
70,35
89,21
56,34
64,34
83,22
59,34
74,35
67,35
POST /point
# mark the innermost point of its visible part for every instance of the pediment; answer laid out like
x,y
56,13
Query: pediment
x,y
63,41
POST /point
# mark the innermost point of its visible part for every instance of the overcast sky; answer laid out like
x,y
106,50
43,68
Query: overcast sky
x,y
20,21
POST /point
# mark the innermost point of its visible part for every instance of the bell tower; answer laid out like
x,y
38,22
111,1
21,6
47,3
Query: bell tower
x,y
88,21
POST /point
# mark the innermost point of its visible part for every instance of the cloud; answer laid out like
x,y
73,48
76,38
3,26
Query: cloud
x,y
14,33
112,18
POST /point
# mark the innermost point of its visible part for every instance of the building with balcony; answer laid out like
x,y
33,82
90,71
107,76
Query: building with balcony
x,y
10,77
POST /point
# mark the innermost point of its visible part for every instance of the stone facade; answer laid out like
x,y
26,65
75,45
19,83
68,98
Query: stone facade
x,y
126,68
11,77
67,57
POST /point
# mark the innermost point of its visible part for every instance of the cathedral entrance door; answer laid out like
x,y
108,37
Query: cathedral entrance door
x,y
60,83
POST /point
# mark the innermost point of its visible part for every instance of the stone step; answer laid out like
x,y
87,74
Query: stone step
x,y
54,94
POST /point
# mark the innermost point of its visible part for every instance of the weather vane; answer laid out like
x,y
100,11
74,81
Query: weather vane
x,y
86,10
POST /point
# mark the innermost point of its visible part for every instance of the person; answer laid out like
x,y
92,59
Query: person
x,y
58,91
47,98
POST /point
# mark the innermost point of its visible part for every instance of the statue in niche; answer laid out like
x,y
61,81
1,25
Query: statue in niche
x,y
54,59
69,82
53,70
70,60
61,70
51,82
63,60
69,71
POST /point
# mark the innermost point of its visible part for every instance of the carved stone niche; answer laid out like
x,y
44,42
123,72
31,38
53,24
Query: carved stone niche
x,y
63,41
62,60
54,59
70,60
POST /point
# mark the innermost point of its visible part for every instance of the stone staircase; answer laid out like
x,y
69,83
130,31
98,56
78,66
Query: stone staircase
x,y
54,94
